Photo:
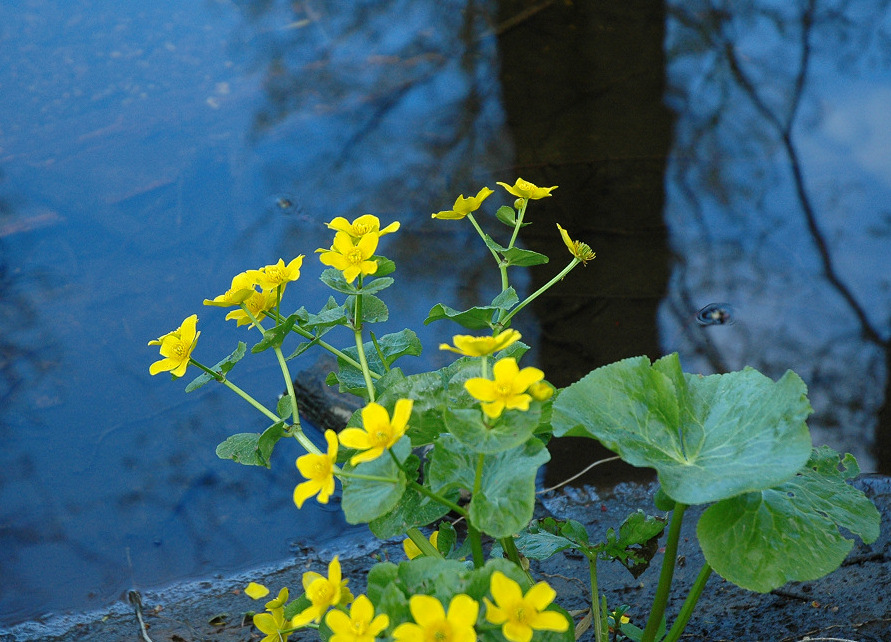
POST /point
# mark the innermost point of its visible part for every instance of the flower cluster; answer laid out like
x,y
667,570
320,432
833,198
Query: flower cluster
x,y
509,389
518,614
379,433
255,292
354,246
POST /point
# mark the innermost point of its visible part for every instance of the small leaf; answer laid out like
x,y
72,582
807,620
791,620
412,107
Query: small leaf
x,y
384,266
506,500
373,309
524,258
365,500
221,367
413,509
476,318
274,337
761,540
250,448
507,215
510,430
333,278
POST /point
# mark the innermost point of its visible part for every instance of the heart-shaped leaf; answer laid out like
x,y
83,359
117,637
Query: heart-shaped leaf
x,y
709,438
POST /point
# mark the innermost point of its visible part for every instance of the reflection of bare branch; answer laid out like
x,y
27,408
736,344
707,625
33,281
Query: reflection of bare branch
x,y
784,130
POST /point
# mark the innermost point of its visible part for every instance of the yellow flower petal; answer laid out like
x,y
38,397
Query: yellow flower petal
x,y
256,591
524,189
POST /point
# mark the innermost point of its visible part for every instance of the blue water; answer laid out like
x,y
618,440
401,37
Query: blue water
x,y
151,150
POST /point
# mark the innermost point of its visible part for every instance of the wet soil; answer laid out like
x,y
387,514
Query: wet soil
x,y
853,604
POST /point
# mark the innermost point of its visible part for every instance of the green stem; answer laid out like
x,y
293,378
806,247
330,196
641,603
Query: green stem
x,y
510,549
360,347
378,478
306,334
427,548
482,234
519,223
476,546
657,612
503,322
241,393
296,428
595,600
689,605
438,498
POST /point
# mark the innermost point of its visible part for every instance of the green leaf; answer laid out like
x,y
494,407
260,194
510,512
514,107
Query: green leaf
x,y
333,278
708,438
476,318
413,509
524,258
251,448
274,337
221,367
430,398
373,309
507,215
506,499
761,540
391,346
510,430
384,266
332,314
364,499
636,544
541,544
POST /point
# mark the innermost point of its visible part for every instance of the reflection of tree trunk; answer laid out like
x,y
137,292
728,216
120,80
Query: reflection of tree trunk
x,y
882,448
583,87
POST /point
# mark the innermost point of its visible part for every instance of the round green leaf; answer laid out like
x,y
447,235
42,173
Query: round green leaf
x,y
762,540
708,438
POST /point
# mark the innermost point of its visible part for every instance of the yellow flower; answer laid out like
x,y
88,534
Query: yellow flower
x,y
464,206
258,303
507,390
240,291
520,614
256,591
272,276
581,251
411,549
176,348
541,391
379,432
279,601
273,624
350,259
319,471
323,592
360,626
365,224
471,346
525,189
432,622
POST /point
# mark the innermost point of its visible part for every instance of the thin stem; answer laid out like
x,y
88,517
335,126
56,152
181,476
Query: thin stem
x,y
360,347
438,498
482,234
427,548
378,478
689,605
539,291
519,223
510,549
595,600
306,334
241,393
665,576
476,545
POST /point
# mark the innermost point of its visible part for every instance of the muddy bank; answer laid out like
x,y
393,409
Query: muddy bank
x,y
852,604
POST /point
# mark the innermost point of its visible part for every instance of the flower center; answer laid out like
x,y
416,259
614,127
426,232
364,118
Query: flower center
x,y
320,592
321,467
354,256
520,615
180,349
503,389
441,632
361,229
380,437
